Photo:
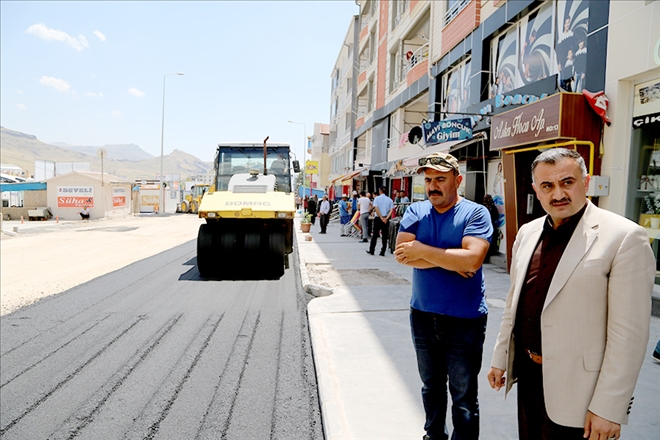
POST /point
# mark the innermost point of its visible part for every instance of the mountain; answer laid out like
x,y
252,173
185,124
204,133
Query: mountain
x,y
125,151
22,150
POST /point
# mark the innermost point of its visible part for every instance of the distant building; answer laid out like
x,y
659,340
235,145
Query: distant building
x,y
11,170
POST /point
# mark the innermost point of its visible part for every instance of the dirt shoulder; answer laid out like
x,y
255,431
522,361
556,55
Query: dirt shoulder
x,y
49,258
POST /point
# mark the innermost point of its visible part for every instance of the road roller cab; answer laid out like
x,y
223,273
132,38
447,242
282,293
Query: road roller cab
x,y
249,213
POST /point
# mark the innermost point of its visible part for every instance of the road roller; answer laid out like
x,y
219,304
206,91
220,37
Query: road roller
x,y
248,213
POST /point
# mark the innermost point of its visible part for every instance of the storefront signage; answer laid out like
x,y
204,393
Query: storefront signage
x,y
75,196
641,121
312,167
447,130
503,102
149,200
118,197
529,124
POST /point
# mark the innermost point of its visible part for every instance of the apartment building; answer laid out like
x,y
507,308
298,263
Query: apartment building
x,y
484,66
318,164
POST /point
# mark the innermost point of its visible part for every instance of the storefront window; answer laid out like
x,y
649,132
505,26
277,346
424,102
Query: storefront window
x,y
644,202
456,90
572,26
539,46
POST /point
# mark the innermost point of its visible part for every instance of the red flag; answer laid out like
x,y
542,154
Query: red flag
x,y
599,103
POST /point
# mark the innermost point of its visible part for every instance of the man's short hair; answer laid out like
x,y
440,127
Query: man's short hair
x,y
554,155
383,189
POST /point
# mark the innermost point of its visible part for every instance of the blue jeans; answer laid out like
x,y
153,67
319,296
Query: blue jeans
x,y
449,349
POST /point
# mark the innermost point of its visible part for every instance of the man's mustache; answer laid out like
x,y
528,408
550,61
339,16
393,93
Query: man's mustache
x,y
557,202
435,193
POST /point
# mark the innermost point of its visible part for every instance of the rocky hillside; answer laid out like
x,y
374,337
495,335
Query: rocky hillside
x,y
23,149
126,152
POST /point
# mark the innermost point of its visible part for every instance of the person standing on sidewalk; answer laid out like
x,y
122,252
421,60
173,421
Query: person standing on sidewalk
x,y
344,214
311,207
364,203
445,239
576,322
324,214
383,208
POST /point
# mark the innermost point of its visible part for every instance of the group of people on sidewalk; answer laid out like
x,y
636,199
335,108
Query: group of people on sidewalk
x,y
576,323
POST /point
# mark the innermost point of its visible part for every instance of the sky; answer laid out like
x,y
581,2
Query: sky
x,y
91,73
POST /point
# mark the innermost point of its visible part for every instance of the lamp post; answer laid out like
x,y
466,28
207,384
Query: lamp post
x,y
304,161
161,208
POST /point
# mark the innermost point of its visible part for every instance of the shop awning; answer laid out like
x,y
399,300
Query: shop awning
x,y
347,179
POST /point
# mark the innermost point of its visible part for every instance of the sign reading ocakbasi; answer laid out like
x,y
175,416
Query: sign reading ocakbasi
x,y
75,196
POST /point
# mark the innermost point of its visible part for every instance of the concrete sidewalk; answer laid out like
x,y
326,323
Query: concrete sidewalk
x,y
369,387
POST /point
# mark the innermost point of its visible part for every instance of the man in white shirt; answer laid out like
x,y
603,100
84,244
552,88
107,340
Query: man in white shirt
x,y
383,207
324,214
364,203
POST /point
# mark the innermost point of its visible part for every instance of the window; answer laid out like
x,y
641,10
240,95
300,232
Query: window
x,y
395,71
526,52
370,95
456,90
372,47
396,18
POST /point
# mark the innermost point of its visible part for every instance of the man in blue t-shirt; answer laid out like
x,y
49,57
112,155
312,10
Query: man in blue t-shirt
x,y
344,214
445,239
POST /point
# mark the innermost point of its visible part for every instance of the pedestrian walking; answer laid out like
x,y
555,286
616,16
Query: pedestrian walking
x,y
344,214
364,204
445,239
576,324
324,214
383,208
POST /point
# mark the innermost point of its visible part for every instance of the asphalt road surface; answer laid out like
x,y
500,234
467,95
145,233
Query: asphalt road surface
x,y
151,351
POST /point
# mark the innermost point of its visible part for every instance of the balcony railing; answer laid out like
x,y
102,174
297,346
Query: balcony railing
x,y
417,57
454,11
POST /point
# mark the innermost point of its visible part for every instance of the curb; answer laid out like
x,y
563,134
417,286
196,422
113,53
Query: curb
x,y
315,290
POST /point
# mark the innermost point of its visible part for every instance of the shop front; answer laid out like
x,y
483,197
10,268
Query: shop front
x,y
561,120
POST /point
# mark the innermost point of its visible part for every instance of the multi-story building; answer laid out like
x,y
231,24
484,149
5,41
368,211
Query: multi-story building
x,y
319,157
343,111
492,65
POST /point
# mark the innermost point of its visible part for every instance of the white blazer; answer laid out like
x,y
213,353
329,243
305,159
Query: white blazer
x,y
595,319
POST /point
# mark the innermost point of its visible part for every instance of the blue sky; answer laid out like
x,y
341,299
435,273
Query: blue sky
x,y
91,73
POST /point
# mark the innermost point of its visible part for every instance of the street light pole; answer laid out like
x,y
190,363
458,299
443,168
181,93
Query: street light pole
x,y
304,161
161,208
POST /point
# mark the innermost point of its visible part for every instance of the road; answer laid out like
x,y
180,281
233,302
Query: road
x,y
152,351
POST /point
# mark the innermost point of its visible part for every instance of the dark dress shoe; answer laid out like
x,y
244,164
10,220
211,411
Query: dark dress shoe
x,y
370,253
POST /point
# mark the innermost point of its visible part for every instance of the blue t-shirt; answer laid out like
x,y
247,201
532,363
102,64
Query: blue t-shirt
x,y
343,208
438,290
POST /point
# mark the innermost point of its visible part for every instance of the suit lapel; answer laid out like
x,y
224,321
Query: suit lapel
x,y
581,241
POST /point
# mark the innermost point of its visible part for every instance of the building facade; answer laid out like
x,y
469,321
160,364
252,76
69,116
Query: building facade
x,y
517,74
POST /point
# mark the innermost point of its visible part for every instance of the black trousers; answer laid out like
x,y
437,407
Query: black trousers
x,y
325,218
378,227
533,420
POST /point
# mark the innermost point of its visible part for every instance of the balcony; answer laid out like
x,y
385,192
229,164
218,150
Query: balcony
x,y
454,11
416,65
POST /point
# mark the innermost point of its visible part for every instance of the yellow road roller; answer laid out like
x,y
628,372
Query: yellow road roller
x,y
249,212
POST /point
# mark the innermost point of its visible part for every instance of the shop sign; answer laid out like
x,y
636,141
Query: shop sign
x,y
529,124
149,200
75,196
118,197
312,167
447,130
641,121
